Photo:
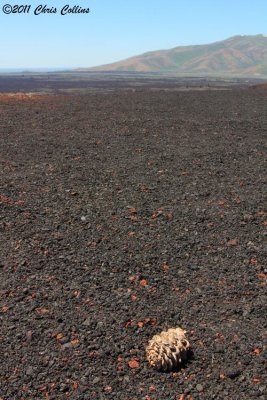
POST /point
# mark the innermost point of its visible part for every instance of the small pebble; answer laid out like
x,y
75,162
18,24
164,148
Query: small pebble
x,y
262,389
218,348
87,322
29,371
67,345
232,374
199,387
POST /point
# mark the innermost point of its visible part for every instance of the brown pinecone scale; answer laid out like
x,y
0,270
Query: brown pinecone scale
x,y
166,351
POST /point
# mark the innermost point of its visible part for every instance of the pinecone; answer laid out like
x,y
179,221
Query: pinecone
x,y
167,350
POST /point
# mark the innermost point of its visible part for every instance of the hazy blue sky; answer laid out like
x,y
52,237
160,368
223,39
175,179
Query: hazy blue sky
x,y
117,29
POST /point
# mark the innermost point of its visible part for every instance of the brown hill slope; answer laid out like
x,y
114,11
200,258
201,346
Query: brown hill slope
x,y
243,56
262,86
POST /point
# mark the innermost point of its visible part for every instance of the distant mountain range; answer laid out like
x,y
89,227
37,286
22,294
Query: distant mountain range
x,y
238,56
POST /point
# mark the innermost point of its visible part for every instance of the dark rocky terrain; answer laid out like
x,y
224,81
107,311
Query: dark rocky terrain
x,y
123,214
82,82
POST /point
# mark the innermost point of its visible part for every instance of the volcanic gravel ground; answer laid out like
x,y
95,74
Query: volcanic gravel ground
x,y
124,214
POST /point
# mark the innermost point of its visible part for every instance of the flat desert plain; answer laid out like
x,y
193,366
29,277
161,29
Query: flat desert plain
x,y
125,213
